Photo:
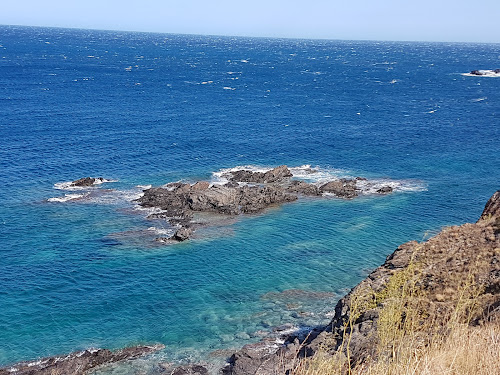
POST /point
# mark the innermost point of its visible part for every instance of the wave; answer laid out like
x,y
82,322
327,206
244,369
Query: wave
x,y
68,185
67,197
318,176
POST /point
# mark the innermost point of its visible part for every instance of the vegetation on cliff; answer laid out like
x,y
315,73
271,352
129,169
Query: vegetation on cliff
x,y
432,308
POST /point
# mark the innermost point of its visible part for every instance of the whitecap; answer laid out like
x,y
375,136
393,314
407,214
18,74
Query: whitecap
x,y
68,185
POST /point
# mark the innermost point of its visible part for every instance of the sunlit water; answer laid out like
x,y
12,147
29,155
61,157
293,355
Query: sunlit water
x,y
145,109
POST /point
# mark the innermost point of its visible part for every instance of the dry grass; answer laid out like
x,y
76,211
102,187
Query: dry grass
x,y
465,351
411,341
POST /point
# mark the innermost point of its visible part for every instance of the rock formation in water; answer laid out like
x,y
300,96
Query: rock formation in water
x,y
246,192
459,260
485,72
77,363
87,181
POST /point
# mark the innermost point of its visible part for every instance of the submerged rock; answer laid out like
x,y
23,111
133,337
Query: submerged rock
x,y
77,363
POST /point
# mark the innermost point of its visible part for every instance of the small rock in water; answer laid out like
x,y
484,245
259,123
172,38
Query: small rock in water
x,y
87,181
385,190
182,234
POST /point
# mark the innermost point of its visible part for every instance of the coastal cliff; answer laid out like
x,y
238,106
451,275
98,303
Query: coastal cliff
x,y
421,290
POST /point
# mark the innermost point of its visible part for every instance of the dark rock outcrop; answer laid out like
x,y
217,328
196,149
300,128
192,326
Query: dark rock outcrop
x,y
277,174
77,363
87,181
259,191
182,234
343,188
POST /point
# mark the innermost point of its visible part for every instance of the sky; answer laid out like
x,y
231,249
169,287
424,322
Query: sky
x,y
416,20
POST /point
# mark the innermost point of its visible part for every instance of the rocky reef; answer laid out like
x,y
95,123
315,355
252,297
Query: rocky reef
x,y
77,363
246,192
486,72
461,263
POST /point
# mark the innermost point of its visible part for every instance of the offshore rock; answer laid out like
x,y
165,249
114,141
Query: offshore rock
x,y
87,181
182,234
77,363
445,262
257,192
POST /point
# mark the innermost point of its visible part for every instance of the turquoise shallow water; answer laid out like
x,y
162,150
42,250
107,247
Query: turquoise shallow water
x,y
151,108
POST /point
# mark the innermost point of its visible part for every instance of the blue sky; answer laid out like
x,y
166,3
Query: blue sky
x,y
424,20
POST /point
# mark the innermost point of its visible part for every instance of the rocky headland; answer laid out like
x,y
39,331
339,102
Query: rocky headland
x,y
246,192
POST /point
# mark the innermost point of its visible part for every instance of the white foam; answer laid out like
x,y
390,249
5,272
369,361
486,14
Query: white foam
x,y
162,231
68,185
479,99
67,197
484,73
144,187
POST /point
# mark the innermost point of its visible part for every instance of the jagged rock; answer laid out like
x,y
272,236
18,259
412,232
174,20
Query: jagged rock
x,y
302,187
274,175
216,199
87,181
182,234
179,200
492,208
200,186
476,73
77,363
343,188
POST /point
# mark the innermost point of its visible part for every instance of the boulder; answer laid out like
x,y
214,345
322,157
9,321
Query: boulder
x,y
182,234
385,190
343,188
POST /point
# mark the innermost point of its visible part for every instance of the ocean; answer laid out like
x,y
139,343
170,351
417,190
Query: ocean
x,y
144,109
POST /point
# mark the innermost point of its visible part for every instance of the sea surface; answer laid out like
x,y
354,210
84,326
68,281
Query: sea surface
x,y
145,109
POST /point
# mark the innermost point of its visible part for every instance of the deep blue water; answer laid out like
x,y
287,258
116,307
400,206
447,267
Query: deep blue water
x,y
155,108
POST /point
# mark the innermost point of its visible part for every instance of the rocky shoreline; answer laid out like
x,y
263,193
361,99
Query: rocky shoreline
x,y
78,363
246,192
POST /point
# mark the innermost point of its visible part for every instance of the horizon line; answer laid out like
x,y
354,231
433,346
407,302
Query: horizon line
x,y
245,36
